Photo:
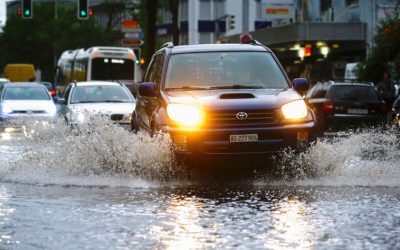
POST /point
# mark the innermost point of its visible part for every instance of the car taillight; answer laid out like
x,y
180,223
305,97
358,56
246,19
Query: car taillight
x,y
328,107
53,92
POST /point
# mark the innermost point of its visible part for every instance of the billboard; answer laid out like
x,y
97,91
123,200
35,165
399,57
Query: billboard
x,y
277,9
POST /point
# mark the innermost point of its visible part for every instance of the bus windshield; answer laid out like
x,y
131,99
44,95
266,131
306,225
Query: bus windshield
x,y
112,69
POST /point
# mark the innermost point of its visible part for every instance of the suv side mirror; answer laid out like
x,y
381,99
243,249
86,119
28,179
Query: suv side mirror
x,y
147,89
300,85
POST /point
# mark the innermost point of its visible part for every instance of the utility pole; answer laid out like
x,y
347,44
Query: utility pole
x,y
245,17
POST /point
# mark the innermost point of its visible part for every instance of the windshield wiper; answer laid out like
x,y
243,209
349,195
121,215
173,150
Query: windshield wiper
x,y
114,101
84,102
236,87
187,88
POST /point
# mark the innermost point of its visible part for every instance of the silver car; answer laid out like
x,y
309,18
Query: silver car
x,y
25,101
83,100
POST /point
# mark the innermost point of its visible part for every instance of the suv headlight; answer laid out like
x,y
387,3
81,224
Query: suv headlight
x,y
186,115
295,110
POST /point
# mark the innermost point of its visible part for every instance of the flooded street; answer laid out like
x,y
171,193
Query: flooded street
x,y
114,190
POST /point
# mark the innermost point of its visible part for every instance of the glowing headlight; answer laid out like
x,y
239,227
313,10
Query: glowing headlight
x,y
186,115
6,109
295,110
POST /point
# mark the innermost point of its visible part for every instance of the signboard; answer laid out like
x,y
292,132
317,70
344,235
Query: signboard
x,y
277,9
133,34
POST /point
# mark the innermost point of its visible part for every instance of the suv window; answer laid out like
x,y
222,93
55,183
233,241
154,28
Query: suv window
x,y
353,92
216,69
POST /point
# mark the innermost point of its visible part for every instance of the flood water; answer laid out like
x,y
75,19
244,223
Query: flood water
x,y
110,189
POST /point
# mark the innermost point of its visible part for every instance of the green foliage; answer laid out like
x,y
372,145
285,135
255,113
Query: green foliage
x,y
42,39
385,55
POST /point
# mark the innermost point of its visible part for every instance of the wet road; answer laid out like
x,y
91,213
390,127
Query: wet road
x,y
98,193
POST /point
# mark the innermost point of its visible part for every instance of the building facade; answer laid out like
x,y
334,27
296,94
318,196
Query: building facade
x,y
312,38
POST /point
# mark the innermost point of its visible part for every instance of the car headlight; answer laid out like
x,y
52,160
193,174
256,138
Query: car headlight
x,y
80,117
187,115
6,109
295,110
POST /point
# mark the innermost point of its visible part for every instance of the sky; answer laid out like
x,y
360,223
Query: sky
x,y
3,11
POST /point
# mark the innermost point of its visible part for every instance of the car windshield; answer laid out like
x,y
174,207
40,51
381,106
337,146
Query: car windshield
x,y
213,70
353,93
100,93
26,93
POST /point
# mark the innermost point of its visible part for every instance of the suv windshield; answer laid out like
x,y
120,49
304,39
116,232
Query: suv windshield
x,y
100,93
353,93
213,70
26,93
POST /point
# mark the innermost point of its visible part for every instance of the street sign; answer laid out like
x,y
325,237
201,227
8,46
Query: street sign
x,y
133,34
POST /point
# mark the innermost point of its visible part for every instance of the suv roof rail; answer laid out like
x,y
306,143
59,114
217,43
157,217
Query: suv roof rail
x,y
167,45
255,42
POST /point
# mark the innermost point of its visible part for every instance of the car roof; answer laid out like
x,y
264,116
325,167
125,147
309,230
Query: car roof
x,y
96,83
23,84
216,48
352,84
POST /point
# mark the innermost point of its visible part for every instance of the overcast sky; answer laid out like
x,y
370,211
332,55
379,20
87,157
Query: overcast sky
x,y
2,11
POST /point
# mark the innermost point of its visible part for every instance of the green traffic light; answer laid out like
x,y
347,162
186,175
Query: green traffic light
x,y
83,13
27,13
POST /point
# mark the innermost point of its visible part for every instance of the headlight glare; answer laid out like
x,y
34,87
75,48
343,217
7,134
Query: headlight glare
x,y
187,115
295,110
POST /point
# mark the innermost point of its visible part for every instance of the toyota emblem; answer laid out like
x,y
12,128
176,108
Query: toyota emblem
x,y
241,116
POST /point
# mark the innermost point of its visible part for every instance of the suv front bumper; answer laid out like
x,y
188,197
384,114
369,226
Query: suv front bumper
x,y
215,143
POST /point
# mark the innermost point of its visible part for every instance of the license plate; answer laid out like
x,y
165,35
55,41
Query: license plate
x,y
243,138
357,111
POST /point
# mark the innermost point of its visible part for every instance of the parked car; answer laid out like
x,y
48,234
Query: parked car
x,y
25,100
83,100
396,112
340,106
3,81
223,100
51,87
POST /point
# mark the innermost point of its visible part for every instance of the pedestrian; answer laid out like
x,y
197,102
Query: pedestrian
x,y
387,90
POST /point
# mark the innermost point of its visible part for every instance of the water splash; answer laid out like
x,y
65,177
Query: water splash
x,y
367,158
102,150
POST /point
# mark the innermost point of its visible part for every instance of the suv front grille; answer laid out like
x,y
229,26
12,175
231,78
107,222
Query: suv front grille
x,y
227,118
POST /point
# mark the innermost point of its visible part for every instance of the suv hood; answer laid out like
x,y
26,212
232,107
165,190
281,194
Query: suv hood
x,y
234,99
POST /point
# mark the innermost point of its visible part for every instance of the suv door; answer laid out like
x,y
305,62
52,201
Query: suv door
x,y
146,106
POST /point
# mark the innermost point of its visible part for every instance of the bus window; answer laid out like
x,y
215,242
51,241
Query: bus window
x,y
112,69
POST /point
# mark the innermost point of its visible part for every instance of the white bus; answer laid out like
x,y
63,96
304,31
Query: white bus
x,y
97,63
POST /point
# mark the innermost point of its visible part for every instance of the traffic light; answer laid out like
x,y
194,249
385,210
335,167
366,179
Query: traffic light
x,y
83,9
230,22
27,9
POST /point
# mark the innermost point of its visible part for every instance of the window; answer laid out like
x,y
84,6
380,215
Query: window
x,y
26,93
216,69
325,5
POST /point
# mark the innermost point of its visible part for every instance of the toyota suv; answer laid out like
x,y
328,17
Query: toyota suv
x,y
223,100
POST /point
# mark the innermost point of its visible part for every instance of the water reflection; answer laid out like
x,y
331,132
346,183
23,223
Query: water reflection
x,y
6,212
183,230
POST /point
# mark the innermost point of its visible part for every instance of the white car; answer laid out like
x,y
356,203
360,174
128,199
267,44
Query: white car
x,y
25,101
83,100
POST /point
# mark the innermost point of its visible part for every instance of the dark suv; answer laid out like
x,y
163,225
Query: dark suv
x,y
340,106
223,100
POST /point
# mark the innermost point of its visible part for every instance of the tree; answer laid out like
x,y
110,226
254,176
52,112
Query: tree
x,y
42,39
385,55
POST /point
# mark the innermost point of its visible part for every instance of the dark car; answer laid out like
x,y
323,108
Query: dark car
x,y
396,112
51,88
340,106
223,100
